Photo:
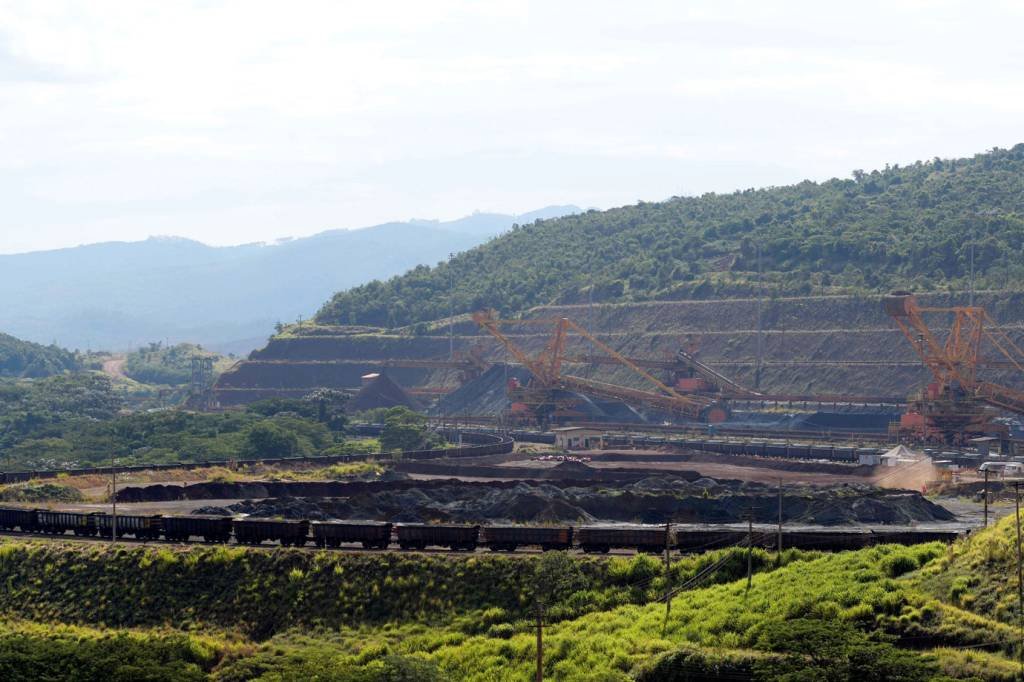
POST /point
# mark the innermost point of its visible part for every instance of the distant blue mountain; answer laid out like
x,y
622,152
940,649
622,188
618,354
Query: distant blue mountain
x,y
118,295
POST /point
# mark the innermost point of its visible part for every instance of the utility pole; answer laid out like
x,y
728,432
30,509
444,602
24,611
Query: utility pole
x,y
590,320
760,340
986,499
1020,578
668,578
750,548
540,642
113,500
451,308
779,544
972,269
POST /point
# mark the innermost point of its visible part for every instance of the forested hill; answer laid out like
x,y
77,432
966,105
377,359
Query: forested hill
x,y
901,227
24,359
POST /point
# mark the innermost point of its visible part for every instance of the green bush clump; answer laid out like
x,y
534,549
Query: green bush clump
x,y
898,564
30,652
41,492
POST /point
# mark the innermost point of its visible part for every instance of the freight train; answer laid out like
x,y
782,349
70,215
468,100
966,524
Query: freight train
x,y
409,536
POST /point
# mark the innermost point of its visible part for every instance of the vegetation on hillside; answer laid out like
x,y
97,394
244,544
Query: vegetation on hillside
x,y
330,590
74,420
980,576
160,364
901,227
25,359
407,430
289,614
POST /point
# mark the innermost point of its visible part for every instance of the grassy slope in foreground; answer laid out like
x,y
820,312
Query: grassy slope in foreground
x,y
283,614
899,227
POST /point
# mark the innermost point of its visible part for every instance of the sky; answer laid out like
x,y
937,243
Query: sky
x,y
235,122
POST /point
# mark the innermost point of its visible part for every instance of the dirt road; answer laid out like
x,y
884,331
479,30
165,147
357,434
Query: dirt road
x,y
114,367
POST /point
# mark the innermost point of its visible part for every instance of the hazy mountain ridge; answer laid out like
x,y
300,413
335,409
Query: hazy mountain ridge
x,y
118,295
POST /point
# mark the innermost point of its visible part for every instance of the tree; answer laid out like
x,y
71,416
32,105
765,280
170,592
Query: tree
x,y
268,407
407,430
834,650
266,439
330,407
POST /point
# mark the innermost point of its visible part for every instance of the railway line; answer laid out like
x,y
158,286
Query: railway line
x,y
713,541
601,539
354,549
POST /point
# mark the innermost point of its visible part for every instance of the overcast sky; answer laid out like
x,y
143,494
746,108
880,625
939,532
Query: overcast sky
x,y
233,122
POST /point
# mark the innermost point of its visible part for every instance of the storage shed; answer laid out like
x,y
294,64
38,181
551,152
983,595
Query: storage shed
x,y
577,438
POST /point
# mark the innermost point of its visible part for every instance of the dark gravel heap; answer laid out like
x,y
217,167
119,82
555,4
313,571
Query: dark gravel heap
x,y
651,500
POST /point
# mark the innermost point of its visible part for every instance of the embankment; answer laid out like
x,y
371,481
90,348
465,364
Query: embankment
x,y
812,345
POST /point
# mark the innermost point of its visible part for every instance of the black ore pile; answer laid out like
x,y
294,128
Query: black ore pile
x,y
651,500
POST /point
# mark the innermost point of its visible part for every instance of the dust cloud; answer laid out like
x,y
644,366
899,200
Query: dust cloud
x,y
920,475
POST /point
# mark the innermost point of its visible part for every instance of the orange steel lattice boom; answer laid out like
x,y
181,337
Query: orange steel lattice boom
x,y
546,369
953,405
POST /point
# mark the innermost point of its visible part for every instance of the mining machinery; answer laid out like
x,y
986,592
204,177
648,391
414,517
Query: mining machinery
x,y
550,387
958,404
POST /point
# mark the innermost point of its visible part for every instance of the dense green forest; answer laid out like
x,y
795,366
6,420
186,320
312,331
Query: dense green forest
x,y
25,359
901,227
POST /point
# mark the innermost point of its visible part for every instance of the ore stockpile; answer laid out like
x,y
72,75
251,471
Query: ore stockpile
x,y
487,396
653,500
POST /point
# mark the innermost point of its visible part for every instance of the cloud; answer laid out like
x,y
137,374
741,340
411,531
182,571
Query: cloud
x,y
246,121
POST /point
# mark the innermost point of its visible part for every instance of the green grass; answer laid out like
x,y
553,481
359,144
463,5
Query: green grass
x,y
980,575
881,613
261,593
33,652
40,492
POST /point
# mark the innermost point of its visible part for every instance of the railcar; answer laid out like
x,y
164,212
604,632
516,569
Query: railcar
x,y
22,519
703,539
821,539
250,531
420,536
60,522
508,538
600,539
370,534
209,528
881,536
142,527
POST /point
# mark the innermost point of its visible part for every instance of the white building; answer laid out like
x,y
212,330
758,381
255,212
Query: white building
x,y
577,438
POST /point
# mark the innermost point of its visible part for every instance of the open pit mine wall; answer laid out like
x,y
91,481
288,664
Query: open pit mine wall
x,y
817,329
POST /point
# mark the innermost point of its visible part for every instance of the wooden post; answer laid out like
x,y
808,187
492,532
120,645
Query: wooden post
x,y
779,544
540,643
750,549
668,579
113,500
986,498
1020,579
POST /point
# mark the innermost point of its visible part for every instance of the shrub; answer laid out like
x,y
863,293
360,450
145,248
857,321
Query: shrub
x,y
896,565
